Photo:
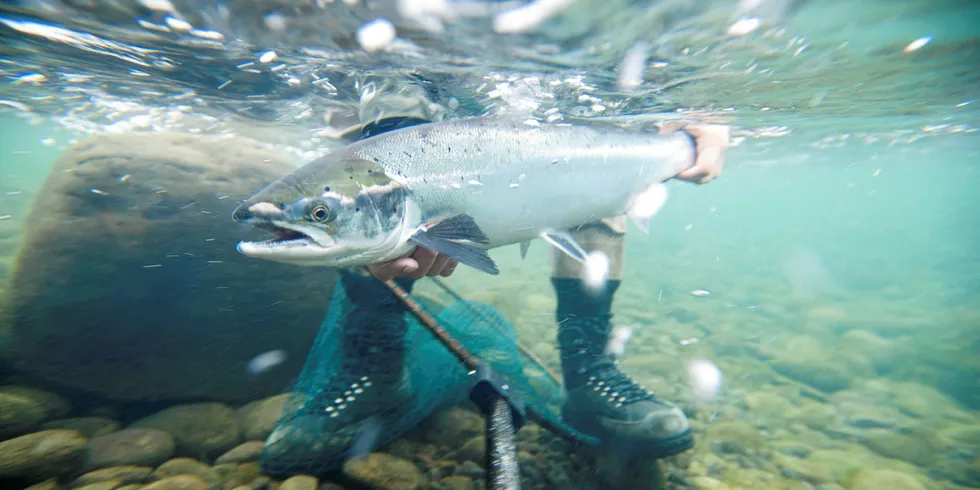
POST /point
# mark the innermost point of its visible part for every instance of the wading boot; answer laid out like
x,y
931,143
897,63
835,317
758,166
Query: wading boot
x,y
602,401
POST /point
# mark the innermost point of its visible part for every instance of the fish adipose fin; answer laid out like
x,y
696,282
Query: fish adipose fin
x,y
646,204
526,244
562,240
445,236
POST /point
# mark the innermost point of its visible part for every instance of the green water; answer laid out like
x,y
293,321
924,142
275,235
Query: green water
x,y
840,257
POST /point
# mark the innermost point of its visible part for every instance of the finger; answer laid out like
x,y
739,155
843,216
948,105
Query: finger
x,y
396,268
425,258
670,127
707,165
438,265
449,269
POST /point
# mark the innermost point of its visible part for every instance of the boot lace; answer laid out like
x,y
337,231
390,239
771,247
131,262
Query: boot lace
x,y
613,381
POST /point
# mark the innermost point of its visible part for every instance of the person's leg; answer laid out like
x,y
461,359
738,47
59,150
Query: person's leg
x,y
345,394
374,334
602,400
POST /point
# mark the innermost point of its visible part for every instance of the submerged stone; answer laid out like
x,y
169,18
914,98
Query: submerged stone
x,y
179,482
121,474
453,426
130,447
201,430
880,479
18,415
735,436
187,466
299,482
42,455
259,418
384,472
891,444
54,405
87,426
242,453
128,283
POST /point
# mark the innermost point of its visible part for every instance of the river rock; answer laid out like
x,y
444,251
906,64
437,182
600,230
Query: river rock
x,y
179,482
123,474
299,482
18,415
54,405
708,483
880,479
87,426
234,475
41,455
823,465
187,466
454,425
879,352
128,283
49,484
242,453
735,436
473,450
102,485
201,430
130,447
456,483
382,471
260,417
958,436
917,450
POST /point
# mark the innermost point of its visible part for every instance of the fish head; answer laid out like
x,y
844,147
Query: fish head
x,y
325,217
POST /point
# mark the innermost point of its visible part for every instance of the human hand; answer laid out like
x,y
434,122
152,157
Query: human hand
x,y
423,262
711,143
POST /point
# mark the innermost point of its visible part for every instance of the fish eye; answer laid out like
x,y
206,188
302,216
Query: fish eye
x,y
320,213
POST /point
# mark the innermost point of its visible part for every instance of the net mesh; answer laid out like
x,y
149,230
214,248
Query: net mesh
x,y
353,394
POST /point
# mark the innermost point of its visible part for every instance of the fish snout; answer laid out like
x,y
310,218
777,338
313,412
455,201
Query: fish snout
x,y
241,214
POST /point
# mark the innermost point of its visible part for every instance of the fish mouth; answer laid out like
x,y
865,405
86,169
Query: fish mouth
x,y
282,236
288,241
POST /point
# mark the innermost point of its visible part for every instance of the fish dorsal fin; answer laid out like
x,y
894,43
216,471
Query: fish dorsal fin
x,y
381,126
562,240
448,237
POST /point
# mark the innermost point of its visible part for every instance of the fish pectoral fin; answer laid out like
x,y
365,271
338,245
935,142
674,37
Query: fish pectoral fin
x,y
562,240
445,237
646,204
459,227
526,244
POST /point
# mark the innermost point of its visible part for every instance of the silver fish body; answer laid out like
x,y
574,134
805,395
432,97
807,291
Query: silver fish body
x,y
513,182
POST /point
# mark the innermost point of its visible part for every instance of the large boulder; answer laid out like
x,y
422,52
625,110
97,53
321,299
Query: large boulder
x,y
128,283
